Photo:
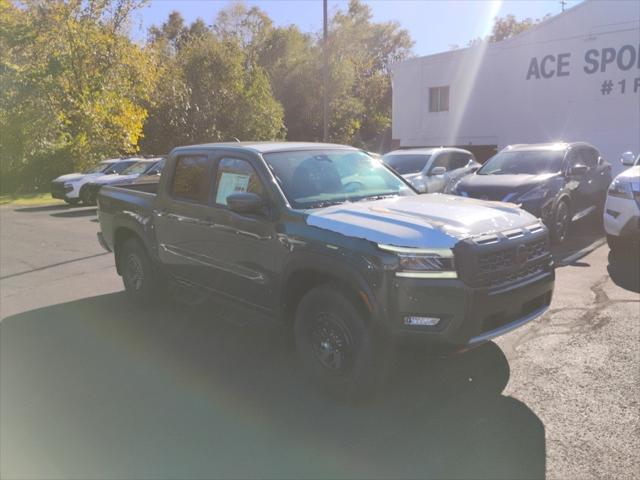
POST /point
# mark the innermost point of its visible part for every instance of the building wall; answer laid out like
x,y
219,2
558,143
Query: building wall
x,y
515,91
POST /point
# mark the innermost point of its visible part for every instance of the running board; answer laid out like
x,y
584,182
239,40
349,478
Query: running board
x,y
583,213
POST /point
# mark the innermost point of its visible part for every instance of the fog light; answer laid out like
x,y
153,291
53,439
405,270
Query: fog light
x,y
421,321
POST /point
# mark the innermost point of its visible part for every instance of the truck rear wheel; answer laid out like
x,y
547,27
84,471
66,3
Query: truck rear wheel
x,y
338,348
140,279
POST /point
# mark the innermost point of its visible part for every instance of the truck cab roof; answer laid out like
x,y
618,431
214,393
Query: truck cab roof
x,y
263,147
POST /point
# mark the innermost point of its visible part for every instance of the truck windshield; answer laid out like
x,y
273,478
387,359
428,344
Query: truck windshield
x,y
531,162
406,164
317,178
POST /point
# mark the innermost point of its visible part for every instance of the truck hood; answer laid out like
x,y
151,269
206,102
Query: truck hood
x,y
497,187
420,221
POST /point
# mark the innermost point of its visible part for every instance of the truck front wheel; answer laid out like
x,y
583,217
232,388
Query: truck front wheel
x,y
140,279
339,349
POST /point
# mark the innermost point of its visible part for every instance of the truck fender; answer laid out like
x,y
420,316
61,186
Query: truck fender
x,y
307,270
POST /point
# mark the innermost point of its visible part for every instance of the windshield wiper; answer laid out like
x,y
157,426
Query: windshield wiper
x,y
376,197
325,203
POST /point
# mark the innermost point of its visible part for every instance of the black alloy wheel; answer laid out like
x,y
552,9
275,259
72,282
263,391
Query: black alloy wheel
x,y
338,345
561,221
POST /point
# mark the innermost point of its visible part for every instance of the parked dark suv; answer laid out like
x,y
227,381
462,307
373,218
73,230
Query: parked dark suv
x,y
557,182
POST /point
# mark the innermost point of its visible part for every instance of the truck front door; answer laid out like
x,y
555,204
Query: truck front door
x,y
246,248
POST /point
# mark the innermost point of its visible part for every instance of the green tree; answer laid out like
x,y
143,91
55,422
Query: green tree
x,y
209,94
506,27
360,88
73,86
509,26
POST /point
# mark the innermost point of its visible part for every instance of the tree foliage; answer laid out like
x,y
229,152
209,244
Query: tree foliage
x,y
76,88
507,27
73,85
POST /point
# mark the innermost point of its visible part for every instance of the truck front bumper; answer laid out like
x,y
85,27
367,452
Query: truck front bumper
x,y
467,316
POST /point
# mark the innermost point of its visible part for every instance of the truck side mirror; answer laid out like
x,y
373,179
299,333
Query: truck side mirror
x,y
245,203
627,159
438,171
578,170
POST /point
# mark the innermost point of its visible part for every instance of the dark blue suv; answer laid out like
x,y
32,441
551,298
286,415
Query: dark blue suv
x,y
557,182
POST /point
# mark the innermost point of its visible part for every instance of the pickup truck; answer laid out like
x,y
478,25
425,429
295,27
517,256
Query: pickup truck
x,y
334,244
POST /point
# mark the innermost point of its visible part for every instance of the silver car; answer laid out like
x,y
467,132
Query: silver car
x,y
432,170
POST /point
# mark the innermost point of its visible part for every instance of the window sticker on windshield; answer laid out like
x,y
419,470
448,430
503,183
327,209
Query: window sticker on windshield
x,y
231,183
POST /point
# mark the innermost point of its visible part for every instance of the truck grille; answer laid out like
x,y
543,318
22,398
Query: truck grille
x,y
505,261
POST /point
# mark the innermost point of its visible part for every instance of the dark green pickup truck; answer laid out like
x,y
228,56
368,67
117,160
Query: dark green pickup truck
x,y
333,243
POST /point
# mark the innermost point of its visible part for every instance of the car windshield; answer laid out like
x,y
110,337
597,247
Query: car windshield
x,y
101,167
317,178
156,169
406,164
138,168
119,167
528,162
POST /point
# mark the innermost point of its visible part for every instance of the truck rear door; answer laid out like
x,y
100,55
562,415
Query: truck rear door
x,y
181,218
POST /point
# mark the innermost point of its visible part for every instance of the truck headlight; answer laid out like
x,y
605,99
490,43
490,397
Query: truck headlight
x,y
421,263
620,188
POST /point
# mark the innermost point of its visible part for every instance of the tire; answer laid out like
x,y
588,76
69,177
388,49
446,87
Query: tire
x,y
72,201
616,244
141,280
85,197
337,346
560,222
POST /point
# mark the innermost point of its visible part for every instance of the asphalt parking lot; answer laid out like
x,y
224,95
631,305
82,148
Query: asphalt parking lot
x,y
93,388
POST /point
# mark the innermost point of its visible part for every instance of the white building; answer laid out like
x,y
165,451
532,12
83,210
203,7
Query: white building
x,y
573,77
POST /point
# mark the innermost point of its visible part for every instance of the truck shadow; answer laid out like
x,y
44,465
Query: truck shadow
x,y
110,391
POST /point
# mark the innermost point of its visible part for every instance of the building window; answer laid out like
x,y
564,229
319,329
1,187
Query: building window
x,y
439,99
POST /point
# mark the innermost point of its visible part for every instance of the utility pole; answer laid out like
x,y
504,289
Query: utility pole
x,y
563,3
325,74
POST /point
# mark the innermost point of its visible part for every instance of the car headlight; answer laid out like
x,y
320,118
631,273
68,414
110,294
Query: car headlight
x,y
69,184
620,188
418,263
536,193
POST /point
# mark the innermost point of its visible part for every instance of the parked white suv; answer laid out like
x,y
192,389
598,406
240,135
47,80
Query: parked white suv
x,y
67,187
432,170
622,208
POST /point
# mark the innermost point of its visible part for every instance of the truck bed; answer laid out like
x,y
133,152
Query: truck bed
x,y
124,205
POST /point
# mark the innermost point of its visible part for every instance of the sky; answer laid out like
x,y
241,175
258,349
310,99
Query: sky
x,y
434,25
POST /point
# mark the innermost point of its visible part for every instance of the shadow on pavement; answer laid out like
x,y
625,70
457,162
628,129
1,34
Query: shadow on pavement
x,y
47,208
94,388
584,236
84,212
624,269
